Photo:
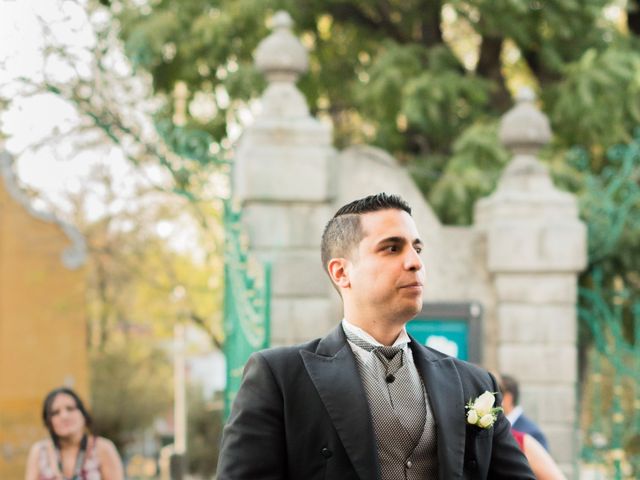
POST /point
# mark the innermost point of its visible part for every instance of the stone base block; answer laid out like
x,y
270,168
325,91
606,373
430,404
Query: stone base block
x,y
282,173
562,442
299,320
518,245
547,324
296,273
282,225
542,288
537,398
539,363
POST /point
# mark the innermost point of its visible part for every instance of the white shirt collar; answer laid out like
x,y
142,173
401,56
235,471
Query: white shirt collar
x,y
515,414
402,339
368,356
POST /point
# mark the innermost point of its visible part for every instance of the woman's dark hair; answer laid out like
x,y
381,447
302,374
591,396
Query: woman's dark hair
x,y
48,403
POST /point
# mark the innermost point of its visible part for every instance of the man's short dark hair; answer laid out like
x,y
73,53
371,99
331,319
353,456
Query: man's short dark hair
x,y
510,385
344,231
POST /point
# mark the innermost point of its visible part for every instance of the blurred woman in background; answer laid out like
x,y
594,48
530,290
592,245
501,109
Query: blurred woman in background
x,y
542,464
71,452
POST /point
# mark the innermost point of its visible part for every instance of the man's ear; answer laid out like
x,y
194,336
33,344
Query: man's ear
x,y
339,272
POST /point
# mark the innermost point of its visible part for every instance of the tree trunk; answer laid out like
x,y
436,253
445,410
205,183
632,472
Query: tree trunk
x,y
633,17
490,67
430,29
544,75
351,13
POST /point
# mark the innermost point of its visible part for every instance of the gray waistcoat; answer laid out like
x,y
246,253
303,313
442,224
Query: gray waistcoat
x,y
402,421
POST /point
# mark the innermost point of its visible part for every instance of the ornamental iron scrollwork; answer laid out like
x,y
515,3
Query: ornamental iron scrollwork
x,y
190,161
609,313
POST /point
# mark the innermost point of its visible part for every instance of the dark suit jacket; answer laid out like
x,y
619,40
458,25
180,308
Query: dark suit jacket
x,y
526,425
302,414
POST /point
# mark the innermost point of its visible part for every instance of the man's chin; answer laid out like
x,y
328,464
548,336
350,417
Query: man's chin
x,y
410,312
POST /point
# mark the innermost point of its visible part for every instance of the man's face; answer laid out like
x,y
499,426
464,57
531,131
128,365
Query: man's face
x,y
385,271
507,402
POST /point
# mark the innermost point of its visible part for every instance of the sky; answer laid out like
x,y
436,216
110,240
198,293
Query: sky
x,y
39,129
50,158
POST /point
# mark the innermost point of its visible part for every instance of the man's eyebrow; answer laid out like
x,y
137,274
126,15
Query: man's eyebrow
x,y
392,240
417,241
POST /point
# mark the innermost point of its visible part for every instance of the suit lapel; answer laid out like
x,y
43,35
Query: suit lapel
x,y
446,397
333,371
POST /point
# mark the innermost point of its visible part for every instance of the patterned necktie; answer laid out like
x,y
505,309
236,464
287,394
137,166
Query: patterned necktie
x,y
391,357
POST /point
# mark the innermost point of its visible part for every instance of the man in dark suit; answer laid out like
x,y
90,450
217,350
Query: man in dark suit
x,y
367,401
515,413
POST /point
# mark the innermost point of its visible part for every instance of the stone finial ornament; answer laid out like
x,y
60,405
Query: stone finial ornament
x,y
525,129
282,59
281,56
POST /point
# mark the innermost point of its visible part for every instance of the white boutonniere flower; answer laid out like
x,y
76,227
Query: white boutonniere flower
x,y
481,412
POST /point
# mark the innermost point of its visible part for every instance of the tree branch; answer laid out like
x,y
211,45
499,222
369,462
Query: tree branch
x,y
350,13
198,320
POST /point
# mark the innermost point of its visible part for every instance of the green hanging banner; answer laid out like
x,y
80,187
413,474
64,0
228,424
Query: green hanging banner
x,y
246,305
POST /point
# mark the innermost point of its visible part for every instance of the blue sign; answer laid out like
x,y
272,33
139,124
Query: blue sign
x,y
451,328
447,336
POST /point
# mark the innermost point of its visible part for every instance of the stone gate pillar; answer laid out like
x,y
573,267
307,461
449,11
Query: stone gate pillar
x,y
536,246
281,180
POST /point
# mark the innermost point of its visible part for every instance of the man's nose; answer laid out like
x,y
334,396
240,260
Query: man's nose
x,y
413,261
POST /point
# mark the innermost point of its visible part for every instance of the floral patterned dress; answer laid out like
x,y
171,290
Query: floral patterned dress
x,y
48,464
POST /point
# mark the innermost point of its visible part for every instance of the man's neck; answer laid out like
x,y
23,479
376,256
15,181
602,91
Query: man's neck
x,y
383,333
514,414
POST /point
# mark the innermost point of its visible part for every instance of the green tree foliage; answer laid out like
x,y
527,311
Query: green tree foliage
x,y
204,430
138,283
411,77
476,162
593,104
129,389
